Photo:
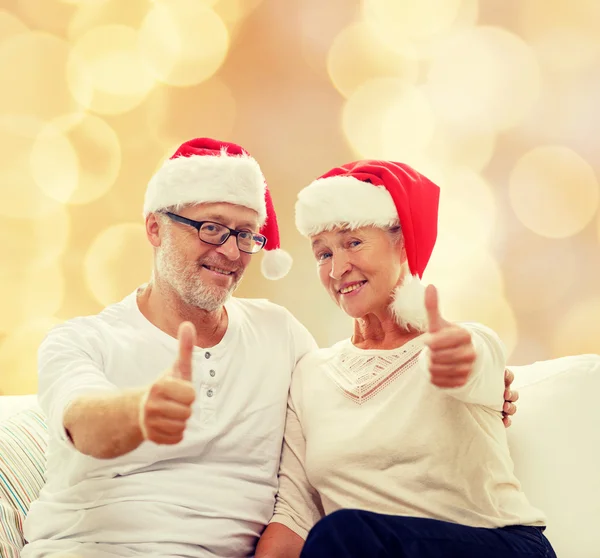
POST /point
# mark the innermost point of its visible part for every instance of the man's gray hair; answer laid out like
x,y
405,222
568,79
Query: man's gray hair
x,y
160,213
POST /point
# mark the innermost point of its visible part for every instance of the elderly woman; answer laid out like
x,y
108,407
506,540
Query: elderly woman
x,y
394,443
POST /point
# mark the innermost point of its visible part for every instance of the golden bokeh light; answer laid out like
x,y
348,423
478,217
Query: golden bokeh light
x,y
467,214
76,160
363,115
476,274
471,287
36,65
166,153
54,164
10,25
19,194
106,62
81,2
26,294
495,313
539,283
183,42
211,111
471,72
567,50
318,24
472,296
408,126
247,6
233,13
538,19
358,55
404,21
468,14
384,117
470,145
107,278
436,171
553,191
98,4
93,14
478,98
36,242
51,16
577,331
18,356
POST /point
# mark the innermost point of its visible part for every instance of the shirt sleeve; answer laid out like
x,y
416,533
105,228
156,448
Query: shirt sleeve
x,y
302,340
298,505
69,365
485,385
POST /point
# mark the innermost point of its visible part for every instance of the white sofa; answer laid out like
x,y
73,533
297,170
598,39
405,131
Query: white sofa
x,y
555,443
11,404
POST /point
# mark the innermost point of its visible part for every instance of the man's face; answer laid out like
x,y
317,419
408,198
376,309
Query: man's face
x,y
203,275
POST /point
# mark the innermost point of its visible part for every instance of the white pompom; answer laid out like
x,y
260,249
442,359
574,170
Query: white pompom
x,y
408,306
276,264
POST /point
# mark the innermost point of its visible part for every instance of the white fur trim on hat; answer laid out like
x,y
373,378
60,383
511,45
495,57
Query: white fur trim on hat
x,y
275,264
408,306
235,179
343,200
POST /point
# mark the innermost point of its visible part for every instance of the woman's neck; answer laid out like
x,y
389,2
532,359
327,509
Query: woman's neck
x,y
380,332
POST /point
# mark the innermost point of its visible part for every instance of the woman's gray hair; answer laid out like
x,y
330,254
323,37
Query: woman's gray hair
x,y
395,231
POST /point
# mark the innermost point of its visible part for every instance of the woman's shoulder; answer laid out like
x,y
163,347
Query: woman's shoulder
x,y
319,358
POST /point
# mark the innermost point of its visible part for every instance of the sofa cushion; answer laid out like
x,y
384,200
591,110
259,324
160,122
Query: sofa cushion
x,y
554,443
23,440
10,405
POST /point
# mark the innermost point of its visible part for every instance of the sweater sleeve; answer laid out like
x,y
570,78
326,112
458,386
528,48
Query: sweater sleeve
x,y
298,505
485,385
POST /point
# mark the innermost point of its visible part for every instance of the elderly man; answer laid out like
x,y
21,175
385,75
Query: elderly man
x,y
119,390
166,410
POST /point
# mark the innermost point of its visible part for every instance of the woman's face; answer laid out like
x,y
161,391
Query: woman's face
x,y
360,268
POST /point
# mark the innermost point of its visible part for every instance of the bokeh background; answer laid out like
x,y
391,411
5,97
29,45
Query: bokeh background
x,y
496,100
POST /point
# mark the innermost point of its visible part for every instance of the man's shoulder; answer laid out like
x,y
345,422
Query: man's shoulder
x,y
261,307
91,325
310,369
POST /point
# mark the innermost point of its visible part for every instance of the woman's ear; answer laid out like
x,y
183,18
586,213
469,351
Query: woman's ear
x,y
402,248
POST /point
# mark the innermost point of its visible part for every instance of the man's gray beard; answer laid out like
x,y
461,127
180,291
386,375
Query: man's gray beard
x,y
206,298
184,280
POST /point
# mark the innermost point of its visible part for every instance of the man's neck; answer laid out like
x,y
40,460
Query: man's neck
x,y
163,308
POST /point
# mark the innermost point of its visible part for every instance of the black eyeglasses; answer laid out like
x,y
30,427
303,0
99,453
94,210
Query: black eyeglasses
x,y
217,234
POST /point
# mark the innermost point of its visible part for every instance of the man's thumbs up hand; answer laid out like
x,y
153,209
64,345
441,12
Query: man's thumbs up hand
x,y
167,404
182,368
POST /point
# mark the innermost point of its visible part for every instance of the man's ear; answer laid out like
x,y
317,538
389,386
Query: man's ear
x,y
153,226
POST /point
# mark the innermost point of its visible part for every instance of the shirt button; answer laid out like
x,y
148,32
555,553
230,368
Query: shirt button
x,y
212,373
207,355
210,393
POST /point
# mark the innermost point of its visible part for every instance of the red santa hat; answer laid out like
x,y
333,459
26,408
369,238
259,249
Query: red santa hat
x,y
382,194
205,170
